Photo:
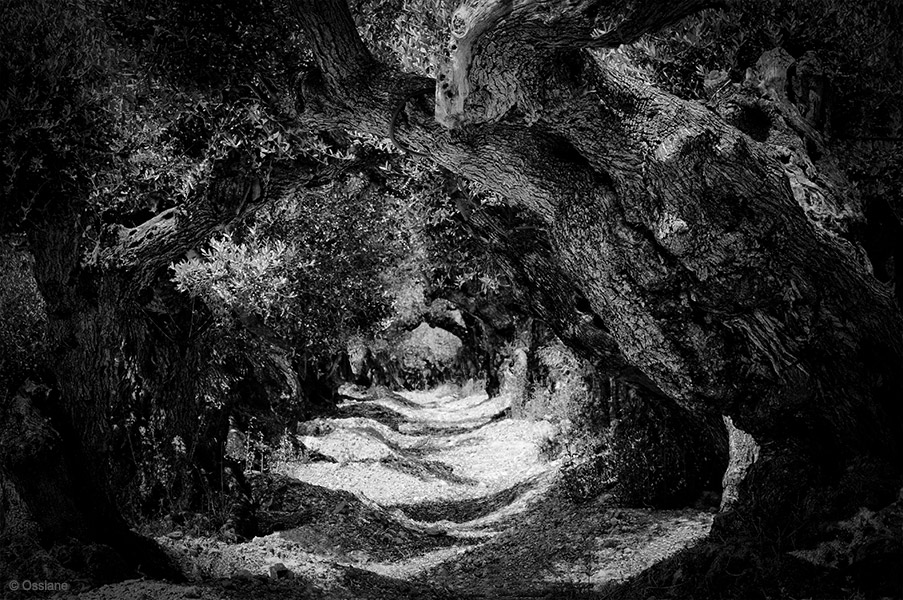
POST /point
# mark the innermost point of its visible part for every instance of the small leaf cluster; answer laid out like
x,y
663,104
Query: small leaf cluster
x,y
408,33
309,269
250,276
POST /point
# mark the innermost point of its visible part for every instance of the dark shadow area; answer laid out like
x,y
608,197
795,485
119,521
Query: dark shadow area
x,y
441,430
383,393
425,470
713,571
367,584
369,410
557,548
461,511
336,522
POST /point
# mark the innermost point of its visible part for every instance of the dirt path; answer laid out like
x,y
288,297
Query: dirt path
x,y
422,495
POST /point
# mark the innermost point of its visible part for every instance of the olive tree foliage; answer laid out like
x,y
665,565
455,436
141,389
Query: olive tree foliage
x,y
57,76
125,151
308,273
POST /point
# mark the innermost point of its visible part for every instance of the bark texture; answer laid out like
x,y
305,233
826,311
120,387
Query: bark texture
x,y
689,240
123,362
743,452
657,453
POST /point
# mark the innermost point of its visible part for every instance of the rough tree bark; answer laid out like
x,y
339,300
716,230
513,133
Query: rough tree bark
x,y
110,356
683,234
664,454
694,263
743,453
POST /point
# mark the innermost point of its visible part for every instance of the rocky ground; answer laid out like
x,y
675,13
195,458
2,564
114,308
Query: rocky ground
x,y
422,495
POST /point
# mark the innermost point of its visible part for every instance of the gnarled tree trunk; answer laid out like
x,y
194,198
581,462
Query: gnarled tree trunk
x,y
111,363
700,270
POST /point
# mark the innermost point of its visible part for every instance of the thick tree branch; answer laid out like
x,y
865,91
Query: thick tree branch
x,y
550,295
503,52
338,49
532,167
679,231
230,195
